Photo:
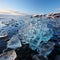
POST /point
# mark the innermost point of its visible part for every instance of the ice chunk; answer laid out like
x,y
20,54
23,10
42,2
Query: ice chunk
x,y
45,48
14,42
2,25
10,55
40,32
34,32
3,33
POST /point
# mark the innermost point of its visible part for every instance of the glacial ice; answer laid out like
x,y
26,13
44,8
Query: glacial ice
x,y
3,34
45,48
55,25
34,32
14,42
10,55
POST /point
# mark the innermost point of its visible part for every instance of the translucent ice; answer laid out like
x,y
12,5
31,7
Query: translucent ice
x,y
14,42
55,24
3,33
40,32
45,48
35,31
10,55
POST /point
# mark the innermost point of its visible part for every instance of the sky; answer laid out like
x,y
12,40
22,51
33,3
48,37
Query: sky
x,y
31,6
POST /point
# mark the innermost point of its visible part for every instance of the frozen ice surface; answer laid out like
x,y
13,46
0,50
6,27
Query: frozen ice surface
x,y
11,26
14,42
10,55
55,24
35,31
39,57
32,31
2,25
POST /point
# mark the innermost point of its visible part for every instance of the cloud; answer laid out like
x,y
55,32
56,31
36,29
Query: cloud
x,y
10,12
58,8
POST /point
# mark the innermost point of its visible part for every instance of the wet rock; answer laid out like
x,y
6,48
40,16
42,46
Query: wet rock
x,y
25,53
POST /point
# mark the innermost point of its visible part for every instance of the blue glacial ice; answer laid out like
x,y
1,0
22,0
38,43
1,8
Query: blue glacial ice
x,y
35,31
45,48
55,23
31,31
40,33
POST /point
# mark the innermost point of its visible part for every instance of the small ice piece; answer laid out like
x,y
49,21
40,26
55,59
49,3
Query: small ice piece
x,y
45,48
10,55
3,34
2,25
14,42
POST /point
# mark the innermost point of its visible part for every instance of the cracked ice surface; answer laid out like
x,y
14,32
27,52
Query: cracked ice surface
x,y
45,48
14,42
35,32
55,24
